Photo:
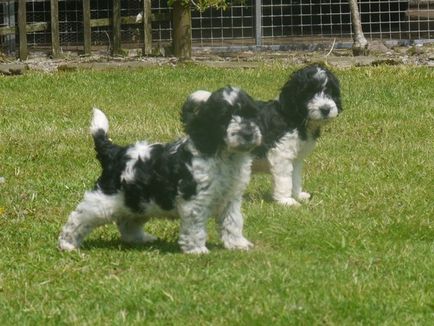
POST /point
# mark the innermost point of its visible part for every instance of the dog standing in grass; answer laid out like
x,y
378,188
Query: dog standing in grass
x,y
203,174
292,123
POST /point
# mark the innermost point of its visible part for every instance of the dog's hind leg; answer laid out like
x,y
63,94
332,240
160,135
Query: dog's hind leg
x,y
95,209
230,224
132,231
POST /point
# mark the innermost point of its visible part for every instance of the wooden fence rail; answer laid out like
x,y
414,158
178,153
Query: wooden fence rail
x,y
23,28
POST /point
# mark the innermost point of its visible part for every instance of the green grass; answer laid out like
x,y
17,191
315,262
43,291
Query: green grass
x,y
360,252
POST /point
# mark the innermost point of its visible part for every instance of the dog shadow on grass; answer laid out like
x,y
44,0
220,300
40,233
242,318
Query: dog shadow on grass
x,y
116,244
160,245
258,196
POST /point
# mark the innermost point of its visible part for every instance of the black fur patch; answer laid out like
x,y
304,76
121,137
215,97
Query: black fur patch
x,y
160,178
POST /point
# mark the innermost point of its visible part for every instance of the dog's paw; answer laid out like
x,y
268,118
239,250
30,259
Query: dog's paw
x,y
304,196
67,246
196,250
288,202
239,243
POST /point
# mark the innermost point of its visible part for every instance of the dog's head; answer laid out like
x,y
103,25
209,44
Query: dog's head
x,y
311,94
223,120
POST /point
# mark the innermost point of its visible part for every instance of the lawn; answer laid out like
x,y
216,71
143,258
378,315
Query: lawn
x,y
360,252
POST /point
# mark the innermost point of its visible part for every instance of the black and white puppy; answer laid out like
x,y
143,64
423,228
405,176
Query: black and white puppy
x,y
202,175
291,126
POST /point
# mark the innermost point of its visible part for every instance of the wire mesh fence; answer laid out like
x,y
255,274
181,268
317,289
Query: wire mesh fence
x,y
254,22
218,27
306,18
7,19
285,21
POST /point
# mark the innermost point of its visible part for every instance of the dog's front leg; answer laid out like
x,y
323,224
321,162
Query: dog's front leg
x,y
230,224
282,171
192,233
297,180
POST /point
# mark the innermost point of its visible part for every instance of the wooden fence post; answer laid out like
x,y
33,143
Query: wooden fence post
x,y
116,27
22,22
147,27
55,39
87,31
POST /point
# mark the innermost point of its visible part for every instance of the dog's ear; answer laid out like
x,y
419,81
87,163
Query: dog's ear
x,y
204,126
189,111
334,88
192,104
291,98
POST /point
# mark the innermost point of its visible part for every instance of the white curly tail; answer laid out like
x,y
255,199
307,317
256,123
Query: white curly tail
x,y
99,122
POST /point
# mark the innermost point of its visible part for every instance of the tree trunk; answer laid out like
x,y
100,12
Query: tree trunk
x,y
360,45
181,30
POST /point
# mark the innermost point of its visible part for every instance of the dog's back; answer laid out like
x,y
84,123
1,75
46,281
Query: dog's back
x,y
273,125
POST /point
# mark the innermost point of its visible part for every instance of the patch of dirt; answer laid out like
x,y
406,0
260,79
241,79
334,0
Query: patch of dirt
x,y
380,54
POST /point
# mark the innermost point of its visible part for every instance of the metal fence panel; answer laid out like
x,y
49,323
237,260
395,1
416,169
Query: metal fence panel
x,y
280,22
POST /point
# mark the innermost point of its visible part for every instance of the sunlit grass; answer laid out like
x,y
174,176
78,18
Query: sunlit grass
x,y
361,251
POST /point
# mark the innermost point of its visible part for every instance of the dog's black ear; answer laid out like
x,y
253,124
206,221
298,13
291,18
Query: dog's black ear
x,y
334,88
204,126
189,111
291,98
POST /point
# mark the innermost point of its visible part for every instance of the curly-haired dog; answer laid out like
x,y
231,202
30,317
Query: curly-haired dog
x,y
201,175
291,126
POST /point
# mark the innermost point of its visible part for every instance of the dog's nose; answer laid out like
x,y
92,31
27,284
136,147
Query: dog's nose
x,y
325,110
247,136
